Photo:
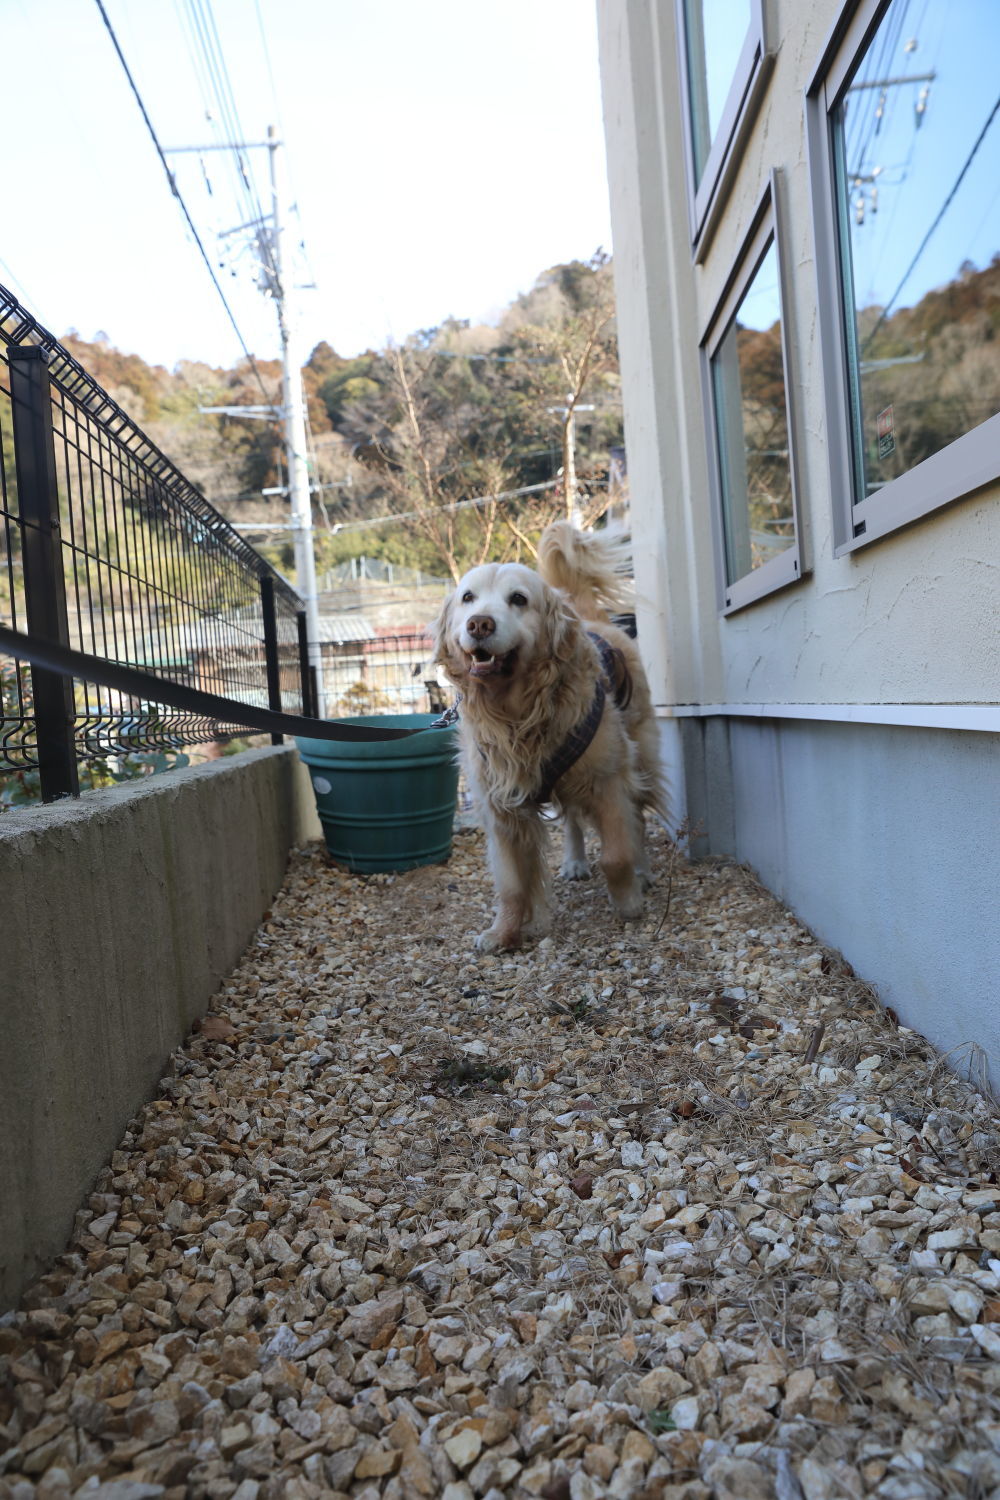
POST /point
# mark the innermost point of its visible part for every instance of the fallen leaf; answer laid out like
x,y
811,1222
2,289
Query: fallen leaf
x,y
757,1022
526,1325
215,1028
424,1361
385,1336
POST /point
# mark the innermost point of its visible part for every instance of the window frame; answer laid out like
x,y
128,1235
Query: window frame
x,y
790,565
707,197
966,464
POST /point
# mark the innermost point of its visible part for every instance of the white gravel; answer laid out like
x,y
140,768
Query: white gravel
x,y
671,1210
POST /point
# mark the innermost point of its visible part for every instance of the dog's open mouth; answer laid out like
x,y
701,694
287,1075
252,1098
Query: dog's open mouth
x,y
483,663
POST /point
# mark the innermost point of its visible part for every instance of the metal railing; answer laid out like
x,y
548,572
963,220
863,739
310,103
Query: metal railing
x,y
107,548
378,570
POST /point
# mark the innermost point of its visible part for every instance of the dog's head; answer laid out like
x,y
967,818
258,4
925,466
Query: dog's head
x,y
500,621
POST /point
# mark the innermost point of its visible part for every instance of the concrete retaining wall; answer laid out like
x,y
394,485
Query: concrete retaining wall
x,y
122,912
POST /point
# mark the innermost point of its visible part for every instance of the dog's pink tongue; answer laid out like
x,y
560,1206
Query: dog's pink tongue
x,y
484,668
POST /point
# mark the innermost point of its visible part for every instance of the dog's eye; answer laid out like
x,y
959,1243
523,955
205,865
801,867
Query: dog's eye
x,y
517,599
468,596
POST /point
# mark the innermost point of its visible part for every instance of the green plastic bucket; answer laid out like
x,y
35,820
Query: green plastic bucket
x,y
386,804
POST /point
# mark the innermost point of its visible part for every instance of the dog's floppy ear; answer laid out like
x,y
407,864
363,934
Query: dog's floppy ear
x,y
561,624
441,630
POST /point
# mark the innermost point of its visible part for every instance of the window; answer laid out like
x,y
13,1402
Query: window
x,y
745,362
723,66
904,130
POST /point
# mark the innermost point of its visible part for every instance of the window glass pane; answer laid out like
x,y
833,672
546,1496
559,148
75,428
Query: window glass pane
x,y
715,31
748,380
917,147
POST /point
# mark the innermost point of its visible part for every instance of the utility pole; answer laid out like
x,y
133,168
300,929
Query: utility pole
x,y
568,414
274,283
293,402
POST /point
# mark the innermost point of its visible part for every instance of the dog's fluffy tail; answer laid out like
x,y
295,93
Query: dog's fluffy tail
x,y
590,566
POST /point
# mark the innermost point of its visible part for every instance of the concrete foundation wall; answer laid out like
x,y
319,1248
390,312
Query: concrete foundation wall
x,y
884,841
122,912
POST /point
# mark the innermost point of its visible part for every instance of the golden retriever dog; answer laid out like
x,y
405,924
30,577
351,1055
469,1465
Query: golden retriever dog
x,y
556,708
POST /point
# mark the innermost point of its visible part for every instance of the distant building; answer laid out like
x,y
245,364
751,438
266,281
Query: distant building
x,y
806,230
618,508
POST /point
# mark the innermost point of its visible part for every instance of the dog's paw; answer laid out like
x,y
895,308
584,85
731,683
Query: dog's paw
x,y
630,908
495,940
645,879
574,869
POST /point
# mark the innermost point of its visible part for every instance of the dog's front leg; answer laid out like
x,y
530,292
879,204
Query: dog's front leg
x,y
614,815
516,844
642,866
574,861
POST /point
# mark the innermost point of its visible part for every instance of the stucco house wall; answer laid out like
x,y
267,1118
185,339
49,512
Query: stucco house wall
x,y
840,735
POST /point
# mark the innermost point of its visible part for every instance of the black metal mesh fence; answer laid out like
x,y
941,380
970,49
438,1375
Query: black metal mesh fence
x,y
108,548
17,721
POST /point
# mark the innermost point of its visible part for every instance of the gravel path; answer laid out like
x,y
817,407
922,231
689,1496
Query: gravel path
x,y
666,1211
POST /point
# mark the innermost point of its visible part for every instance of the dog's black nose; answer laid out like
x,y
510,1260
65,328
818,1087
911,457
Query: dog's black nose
x,y
480,626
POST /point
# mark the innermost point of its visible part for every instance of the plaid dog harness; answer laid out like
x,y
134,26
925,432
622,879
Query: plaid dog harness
x,y
615,676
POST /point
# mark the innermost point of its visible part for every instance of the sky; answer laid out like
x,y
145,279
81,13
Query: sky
x,y
925,195
441,153
927,191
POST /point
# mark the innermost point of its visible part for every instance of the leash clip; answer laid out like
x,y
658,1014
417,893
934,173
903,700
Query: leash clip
x,y
449,717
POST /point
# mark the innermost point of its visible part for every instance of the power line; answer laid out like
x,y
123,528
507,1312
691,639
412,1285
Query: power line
x,y
284,136
174,189
411,515
208,46
867,118
19,286
887,226
938,217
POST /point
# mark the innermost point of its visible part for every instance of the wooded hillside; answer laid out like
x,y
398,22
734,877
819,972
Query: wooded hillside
x,y
454,414
460,412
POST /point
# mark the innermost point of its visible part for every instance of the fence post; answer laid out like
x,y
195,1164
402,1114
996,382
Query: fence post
x,y
271,666
44,581
305,671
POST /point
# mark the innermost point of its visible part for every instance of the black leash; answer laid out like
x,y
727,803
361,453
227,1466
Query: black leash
x,y
68,662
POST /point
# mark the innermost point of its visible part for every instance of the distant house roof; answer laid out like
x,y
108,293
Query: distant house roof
x,y
339,628
239,632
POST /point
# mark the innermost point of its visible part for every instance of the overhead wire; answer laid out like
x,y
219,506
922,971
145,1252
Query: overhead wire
x,y
886,226
209,45
226,94
195,59
265,46
264,239
367,522
937,220
177,194
14,281
862,130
